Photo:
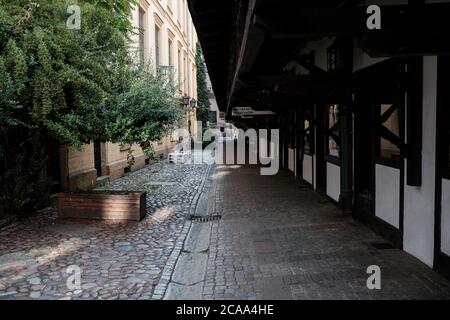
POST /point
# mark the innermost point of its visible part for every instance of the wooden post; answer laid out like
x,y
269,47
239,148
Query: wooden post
x,y
346,159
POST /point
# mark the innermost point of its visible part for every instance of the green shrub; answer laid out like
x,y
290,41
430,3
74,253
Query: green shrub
x,y
69,87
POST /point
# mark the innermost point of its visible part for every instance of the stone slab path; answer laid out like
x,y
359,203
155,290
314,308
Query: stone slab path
x,y
187,280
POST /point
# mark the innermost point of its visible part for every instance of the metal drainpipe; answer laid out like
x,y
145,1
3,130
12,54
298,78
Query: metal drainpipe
x,y
346,198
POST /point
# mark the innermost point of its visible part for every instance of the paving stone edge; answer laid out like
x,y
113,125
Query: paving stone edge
x,y
161,287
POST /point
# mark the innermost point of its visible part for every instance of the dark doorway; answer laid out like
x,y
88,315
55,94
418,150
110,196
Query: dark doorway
x,y
98,157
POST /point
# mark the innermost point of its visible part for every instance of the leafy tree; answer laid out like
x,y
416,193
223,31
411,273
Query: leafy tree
x,y
202,88
62,86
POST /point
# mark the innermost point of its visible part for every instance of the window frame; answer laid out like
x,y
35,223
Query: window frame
x,y
180,68
444,159
170,51
142,43
392,99
157,46
308,134
329,157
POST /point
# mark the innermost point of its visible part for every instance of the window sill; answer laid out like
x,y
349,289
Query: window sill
x,y
445,173
388,162
334,160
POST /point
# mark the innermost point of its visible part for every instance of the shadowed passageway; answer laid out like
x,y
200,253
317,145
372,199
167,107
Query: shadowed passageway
x,y
277,239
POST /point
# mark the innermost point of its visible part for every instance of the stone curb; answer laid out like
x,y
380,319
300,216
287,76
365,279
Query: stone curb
x,y
168,270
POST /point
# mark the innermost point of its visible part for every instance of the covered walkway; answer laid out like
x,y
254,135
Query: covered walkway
x,y
277,239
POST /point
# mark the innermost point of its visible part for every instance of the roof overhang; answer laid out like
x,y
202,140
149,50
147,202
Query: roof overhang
x,y
246,44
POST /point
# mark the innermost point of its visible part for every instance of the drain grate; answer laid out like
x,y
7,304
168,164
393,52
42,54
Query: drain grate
x,y
382,245
209,218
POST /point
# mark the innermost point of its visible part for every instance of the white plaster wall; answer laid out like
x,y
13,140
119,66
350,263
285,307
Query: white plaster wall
x,y
291,159
419,201
307,168
387,194
445,217
314,172
333,181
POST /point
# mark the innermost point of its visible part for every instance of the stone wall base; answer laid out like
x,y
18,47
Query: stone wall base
x,y
117,169
82,180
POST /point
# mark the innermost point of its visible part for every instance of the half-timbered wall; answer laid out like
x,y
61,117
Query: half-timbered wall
x,y
308,168
445,218
387,194
333,181
419,201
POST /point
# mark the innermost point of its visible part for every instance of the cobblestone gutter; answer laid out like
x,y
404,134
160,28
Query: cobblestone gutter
x,y
169,269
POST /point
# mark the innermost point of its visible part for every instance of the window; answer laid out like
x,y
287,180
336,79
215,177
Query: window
x,y
141,36
179,13
185,74
157,56
170,53
390,119
443,116
337,55
188,27
185,11
180,70
308,132
445,123
333,130
306,137
334,60
193,78
189,79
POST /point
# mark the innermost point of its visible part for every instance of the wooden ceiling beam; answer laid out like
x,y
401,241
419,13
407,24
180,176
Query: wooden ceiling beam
x,y
252,42
429,20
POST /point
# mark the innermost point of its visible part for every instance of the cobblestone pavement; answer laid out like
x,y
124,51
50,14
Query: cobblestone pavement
x,y
118,260
279,240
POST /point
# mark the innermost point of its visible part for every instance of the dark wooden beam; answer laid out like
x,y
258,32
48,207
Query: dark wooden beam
x,y
414,124
309,22
210,11
252,41
327,84
264,100
406,29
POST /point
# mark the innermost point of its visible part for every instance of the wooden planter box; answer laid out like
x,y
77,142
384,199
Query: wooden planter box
x,y
107,205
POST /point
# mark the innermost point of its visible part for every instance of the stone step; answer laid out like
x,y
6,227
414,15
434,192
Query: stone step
x,y
102,181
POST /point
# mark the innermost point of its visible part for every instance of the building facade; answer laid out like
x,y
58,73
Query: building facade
x,y
166,40
363,114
